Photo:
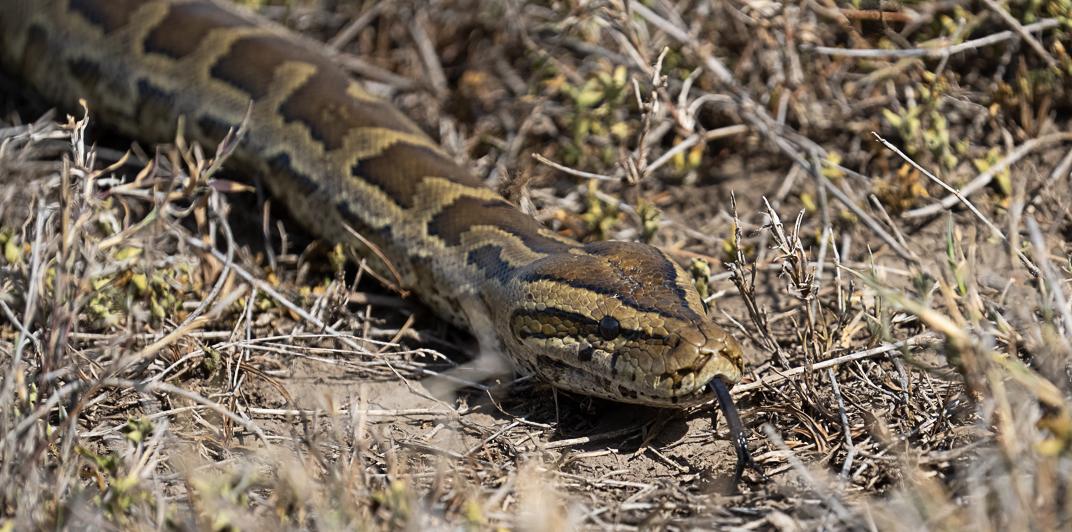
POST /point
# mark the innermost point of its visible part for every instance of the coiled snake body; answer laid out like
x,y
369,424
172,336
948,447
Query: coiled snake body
x,y
611,319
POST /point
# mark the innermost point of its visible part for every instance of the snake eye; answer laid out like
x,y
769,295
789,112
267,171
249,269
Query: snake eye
x,y
609,328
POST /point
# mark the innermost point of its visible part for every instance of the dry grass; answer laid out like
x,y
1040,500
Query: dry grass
x,y
177,353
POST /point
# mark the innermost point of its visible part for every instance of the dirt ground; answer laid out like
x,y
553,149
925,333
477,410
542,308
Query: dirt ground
x,y
179,354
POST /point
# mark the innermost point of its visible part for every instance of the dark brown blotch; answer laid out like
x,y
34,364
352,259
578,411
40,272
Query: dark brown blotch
x,y
639,276
324,107
489,260
398,170
249,65
108,15
185,27
321,104
467,212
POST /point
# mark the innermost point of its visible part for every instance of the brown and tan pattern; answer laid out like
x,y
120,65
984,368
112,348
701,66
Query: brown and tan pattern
x,y
611,319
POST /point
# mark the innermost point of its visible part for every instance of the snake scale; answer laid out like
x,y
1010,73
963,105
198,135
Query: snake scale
x,y
616,320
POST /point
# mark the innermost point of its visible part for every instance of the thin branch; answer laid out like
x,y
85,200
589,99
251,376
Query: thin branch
x,y
1050,275
786,139
573,171
957,195
859,355
163,387
1023,32
984,179
933,53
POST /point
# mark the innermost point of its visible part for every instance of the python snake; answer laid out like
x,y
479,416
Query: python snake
x,y
616,320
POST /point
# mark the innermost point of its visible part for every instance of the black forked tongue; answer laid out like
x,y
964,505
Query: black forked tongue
x,y
737,434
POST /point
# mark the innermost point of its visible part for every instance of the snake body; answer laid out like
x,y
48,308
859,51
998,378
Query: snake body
x,y
615,320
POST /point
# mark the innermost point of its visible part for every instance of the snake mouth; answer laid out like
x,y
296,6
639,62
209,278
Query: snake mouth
x,y
595,381
682,388
711,363
625,373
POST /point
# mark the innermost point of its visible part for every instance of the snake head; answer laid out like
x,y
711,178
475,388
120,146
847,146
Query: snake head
x,y
620,321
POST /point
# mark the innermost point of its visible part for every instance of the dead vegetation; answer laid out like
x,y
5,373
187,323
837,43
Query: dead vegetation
x,y
874,196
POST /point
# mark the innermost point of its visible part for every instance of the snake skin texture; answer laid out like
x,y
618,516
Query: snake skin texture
x,y
616,320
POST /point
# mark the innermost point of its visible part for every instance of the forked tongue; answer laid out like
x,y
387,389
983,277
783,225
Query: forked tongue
x,y
737,434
